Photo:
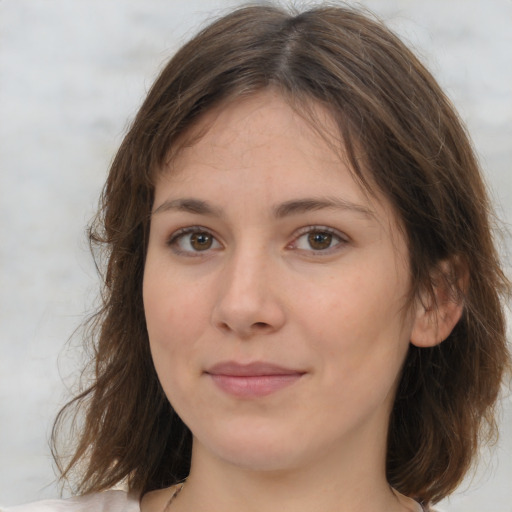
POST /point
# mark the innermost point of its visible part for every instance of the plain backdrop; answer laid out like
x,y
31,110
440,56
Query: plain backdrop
x,y
72,75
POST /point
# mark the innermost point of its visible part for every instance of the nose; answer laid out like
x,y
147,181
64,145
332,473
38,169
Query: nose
x,y
249,299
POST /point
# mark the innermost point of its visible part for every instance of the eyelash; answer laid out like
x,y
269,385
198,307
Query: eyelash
x,y
335,234
181,234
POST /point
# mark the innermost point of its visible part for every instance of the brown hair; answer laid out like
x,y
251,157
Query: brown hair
x,y
400,130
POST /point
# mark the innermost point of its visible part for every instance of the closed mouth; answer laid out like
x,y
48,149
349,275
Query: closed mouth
x,y
252,380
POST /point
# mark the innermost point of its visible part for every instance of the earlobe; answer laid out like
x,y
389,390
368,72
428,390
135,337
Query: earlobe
x,y
433,325
437,313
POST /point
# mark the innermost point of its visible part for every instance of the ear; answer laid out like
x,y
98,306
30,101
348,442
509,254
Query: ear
x,y
437,314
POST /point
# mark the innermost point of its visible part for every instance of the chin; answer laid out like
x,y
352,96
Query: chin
x,y
256,450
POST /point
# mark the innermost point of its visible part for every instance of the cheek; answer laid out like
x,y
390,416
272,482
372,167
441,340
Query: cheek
x,y
171,310
362,354
175,314
357,319
171,301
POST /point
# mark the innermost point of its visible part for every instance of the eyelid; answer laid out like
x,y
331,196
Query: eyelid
x,y
177,235
344,239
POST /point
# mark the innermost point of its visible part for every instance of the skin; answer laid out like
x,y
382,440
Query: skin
x,y
256,285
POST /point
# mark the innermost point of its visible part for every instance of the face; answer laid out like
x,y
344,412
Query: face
x,y
274,292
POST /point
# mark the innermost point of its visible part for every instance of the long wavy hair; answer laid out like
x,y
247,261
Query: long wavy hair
x,y
403,138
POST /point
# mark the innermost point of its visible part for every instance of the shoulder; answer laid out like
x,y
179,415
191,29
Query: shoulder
x,y
108,501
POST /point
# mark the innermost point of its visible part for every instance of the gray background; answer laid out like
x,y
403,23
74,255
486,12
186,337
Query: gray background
x,y
72,73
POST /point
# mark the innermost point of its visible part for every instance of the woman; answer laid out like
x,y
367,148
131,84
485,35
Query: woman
x,y
303,304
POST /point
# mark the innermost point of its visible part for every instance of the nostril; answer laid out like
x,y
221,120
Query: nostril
x,y
260,325
224,326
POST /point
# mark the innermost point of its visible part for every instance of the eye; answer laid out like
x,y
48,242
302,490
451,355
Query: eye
x,y
318,240
193,240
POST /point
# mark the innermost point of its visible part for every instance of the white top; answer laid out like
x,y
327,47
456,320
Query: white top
x,y
108,501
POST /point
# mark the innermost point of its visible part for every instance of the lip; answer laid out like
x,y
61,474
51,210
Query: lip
x,y
252,380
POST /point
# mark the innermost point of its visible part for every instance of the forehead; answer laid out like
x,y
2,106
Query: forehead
x,y
267,137
263,121
263,118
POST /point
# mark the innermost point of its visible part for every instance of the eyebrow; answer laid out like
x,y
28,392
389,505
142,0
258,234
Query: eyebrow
x,y
298,206
286,209
189,205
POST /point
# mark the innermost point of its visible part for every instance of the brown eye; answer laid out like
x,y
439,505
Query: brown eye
x,y
192,241
319,240
201,241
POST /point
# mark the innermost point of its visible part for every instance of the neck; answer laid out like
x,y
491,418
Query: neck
x,y
355,484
